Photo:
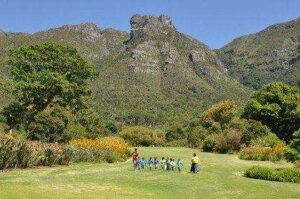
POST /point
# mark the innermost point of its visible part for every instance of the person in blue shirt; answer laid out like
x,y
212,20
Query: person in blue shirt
x,y
156,162
150,163
179,165
168,164
139,163
143,163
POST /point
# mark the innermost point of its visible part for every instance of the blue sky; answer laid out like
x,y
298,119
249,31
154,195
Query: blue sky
x,y
214,22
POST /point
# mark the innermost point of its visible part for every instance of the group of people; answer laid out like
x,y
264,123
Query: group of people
x,y
167,164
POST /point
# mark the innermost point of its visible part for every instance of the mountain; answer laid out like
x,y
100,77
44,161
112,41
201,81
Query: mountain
x,y
267,56
151,75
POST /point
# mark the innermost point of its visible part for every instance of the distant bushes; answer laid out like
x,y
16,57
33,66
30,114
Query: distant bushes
x,y
138,136
17,153
282,175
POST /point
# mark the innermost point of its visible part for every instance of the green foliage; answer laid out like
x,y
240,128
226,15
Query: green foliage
x,y
196,136
277,106
265,57
176,132
223,143
254,130
282,175
221,113
92,122
293,154
49,126
262,153
16,153
138,136
269,140
209,143
112,127
43,75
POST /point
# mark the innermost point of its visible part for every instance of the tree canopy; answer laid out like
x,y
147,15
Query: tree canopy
x,y
46,75
276,105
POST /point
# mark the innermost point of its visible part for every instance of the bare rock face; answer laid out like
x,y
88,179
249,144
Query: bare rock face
x,y
197,56
143,26
90,31
144,58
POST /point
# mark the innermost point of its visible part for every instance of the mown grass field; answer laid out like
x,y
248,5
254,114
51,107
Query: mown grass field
x,y
221,177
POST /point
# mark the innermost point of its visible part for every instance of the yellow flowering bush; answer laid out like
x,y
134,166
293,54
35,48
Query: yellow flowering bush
x,y
106,149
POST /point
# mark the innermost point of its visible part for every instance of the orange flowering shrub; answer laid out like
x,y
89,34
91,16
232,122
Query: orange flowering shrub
x,y
262,153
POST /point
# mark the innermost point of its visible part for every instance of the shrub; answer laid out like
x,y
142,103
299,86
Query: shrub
x,y
196,137
138,136
254,129
112,127
215,128
221,145
269,140
176,132
293,154
17,153
233,139
222,113
176,143
209,143
159,139
282,175
49,125
262,153
106,149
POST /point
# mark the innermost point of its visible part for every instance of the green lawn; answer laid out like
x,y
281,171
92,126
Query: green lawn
x,y
221,177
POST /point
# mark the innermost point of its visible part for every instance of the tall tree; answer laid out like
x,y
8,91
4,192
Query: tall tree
x,y
46,74
276,105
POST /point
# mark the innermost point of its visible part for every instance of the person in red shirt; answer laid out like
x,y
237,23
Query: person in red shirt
x,y
135,156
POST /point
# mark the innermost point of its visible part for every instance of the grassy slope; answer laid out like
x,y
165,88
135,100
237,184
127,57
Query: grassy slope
x,y
220,178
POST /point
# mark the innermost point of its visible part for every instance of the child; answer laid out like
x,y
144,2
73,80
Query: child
x,y
138,163
173,164
143,163
179,165
168,165
150,163
156,163
163,163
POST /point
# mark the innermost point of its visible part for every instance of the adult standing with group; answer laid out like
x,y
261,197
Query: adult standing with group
x,y
195,167
135,157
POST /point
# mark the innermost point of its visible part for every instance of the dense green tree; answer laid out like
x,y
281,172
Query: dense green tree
x,y
276,105
43,75
221,113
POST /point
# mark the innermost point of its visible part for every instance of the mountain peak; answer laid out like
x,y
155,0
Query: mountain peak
x,y
140,21
150,25
83,27
90,31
